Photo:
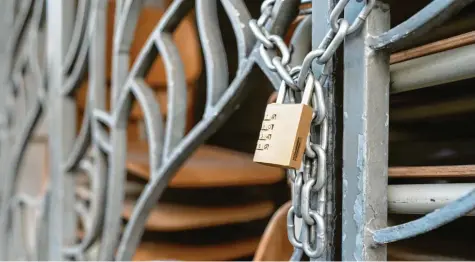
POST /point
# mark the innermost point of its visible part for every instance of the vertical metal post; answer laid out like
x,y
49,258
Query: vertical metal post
x,y
365,136
320,14
118,139
97,87
62,126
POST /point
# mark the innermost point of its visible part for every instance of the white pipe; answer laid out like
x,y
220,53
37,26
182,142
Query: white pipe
x,y
424,198
440,68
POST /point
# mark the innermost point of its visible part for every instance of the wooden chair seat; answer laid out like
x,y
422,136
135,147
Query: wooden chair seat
x,y
209,166
176,217
274,244
217,252
432,171
84,192
159,250
435,47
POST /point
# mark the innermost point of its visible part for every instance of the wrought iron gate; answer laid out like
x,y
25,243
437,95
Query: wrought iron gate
x,y
48,46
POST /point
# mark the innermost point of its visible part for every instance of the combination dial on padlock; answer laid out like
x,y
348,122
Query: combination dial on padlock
x,y
284,130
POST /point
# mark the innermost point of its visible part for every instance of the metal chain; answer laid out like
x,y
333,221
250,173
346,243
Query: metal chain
x,y
311,179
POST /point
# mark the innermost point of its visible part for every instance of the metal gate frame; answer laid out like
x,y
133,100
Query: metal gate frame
x,y
33,83
365,137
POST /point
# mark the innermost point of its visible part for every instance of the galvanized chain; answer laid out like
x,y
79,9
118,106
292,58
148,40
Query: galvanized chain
x,y
311,178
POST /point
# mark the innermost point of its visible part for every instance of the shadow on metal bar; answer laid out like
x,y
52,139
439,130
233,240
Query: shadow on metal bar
x,y
432,15
431,221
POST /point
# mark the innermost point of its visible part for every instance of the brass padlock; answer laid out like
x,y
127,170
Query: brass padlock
x,y
284,130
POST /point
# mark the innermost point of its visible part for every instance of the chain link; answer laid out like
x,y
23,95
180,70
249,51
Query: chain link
x,y
312,178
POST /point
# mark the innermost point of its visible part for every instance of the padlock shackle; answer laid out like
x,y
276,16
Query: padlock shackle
x,y
281,94
308,91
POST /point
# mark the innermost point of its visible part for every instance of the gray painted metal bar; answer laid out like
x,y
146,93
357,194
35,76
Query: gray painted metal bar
x,y
436,69
420,23
365,137
425,198
62,109
429,222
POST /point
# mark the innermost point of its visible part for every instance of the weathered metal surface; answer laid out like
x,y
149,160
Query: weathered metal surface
x,y
425,198
365,137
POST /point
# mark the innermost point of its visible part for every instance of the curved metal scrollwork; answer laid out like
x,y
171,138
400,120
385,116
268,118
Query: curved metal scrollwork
x,y
84,188
52,50
168,145
78,174
28,221
23,98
